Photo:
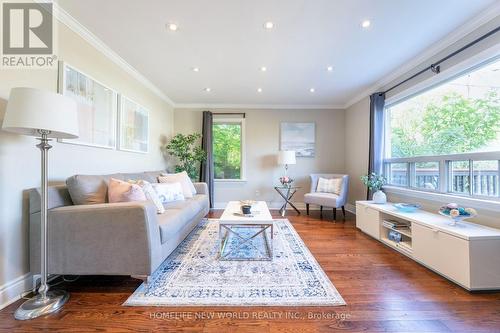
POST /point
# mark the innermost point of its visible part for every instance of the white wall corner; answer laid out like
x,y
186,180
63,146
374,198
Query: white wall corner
x,y
15,289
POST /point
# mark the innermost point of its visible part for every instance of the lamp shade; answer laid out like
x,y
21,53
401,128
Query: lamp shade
x,y
30,110
286,157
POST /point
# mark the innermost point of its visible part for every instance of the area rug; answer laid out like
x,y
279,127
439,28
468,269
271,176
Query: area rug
x,y
193,276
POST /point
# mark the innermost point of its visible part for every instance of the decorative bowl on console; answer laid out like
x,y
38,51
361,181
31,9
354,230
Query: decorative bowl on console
x,y
407,207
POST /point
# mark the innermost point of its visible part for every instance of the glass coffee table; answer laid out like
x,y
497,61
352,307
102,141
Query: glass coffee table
x,y
246,237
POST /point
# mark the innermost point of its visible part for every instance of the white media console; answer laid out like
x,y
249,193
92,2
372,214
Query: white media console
x,y
467,253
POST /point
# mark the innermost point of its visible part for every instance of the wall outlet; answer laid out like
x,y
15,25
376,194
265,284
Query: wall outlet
x,y
257,193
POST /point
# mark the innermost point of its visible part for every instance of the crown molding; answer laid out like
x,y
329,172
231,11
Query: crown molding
x,y
65,18
256,106
467,28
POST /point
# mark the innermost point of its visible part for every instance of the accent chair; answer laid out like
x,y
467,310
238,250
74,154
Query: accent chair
x,y
325,199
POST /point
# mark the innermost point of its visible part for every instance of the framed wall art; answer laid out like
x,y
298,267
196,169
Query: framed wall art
x,y
97,107
134,126
300,137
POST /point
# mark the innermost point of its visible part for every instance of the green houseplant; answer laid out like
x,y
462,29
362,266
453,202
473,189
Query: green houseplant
x,y
187,152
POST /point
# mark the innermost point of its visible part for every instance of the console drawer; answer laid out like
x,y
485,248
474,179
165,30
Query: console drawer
x,y
368,220
446,254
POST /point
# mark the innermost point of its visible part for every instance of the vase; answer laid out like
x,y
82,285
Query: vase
x,y
379,197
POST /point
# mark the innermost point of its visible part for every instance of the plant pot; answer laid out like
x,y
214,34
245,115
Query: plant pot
x,y
379,197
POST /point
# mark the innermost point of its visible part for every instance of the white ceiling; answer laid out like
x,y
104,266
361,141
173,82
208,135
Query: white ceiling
x,y
227,41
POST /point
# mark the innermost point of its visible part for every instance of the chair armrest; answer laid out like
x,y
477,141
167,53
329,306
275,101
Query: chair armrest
x,y
113,238
344,192
201,188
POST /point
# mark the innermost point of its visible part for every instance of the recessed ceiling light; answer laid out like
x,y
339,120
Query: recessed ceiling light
x,y
172,26
263,69
259,90
366,23
312,90
195,69
269,25
207,89
329,68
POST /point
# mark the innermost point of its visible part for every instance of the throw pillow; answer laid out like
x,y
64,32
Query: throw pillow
x,y
121,191
333,185
182,177
168,192
150,194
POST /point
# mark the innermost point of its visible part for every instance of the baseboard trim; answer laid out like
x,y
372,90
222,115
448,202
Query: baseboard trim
x,y
277,205
15,289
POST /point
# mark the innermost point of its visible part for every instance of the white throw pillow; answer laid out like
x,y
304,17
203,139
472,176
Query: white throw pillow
x,y
168,192
182,177
151,195
333,185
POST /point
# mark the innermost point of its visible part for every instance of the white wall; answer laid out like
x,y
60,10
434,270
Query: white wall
x,y
262,138
357,116
19,158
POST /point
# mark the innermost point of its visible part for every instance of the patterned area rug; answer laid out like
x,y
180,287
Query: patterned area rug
x,y
193,276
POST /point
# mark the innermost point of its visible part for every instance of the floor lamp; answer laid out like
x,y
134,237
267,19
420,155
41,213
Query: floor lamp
x,y
46,115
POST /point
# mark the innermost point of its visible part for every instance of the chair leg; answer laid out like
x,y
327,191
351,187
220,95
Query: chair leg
x,y
307,209
334,213
320,212
343,211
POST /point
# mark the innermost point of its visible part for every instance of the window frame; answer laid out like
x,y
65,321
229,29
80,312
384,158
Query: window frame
x,y
241,121
468,66
445,171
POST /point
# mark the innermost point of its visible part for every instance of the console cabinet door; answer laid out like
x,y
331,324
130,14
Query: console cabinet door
x,y
368,220
446,254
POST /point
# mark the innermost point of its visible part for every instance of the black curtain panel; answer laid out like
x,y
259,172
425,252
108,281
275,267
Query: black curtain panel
x,y
376,152
207,167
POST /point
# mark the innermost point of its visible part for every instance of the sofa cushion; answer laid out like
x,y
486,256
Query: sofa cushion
x,y
122,191
152,176
169,192
202,200
174,219
183,204
93,189
188,188
89,189
332,185
151,195
149,176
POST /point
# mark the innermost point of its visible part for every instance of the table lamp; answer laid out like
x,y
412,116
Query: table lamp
x,y
46,115
286,157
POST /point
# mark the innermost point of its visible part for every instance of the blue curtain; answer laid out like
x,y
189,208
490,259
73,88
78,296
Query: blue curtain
x,y
207,167
376,150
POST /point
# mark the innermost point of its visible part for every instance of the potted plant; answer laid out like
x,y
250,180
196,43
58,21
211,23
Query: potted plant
x,y
188,153
375,182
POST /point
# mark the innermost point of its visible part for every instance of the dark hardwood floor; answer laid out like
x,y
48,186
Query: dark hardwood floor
x,y
384,291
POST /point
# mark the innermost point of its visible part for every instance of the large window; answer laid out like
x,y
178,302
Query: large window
x,y
228,145
447,139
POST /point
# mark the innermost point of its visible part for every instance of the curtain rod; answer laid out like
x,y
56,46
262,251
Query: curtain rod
x,y
435,67
230,113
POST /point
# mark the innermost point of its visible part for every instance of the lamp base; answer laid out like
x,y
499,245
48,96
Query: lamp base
x,y
38,306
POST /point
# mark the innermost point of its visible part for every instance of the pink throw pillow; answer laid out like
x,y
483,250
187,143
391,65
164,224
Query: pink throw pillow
x,y
120,191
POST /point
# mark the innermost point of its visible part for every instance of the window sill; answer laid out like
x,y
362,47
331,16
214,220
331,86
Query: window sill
x,y
230,180
444,198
